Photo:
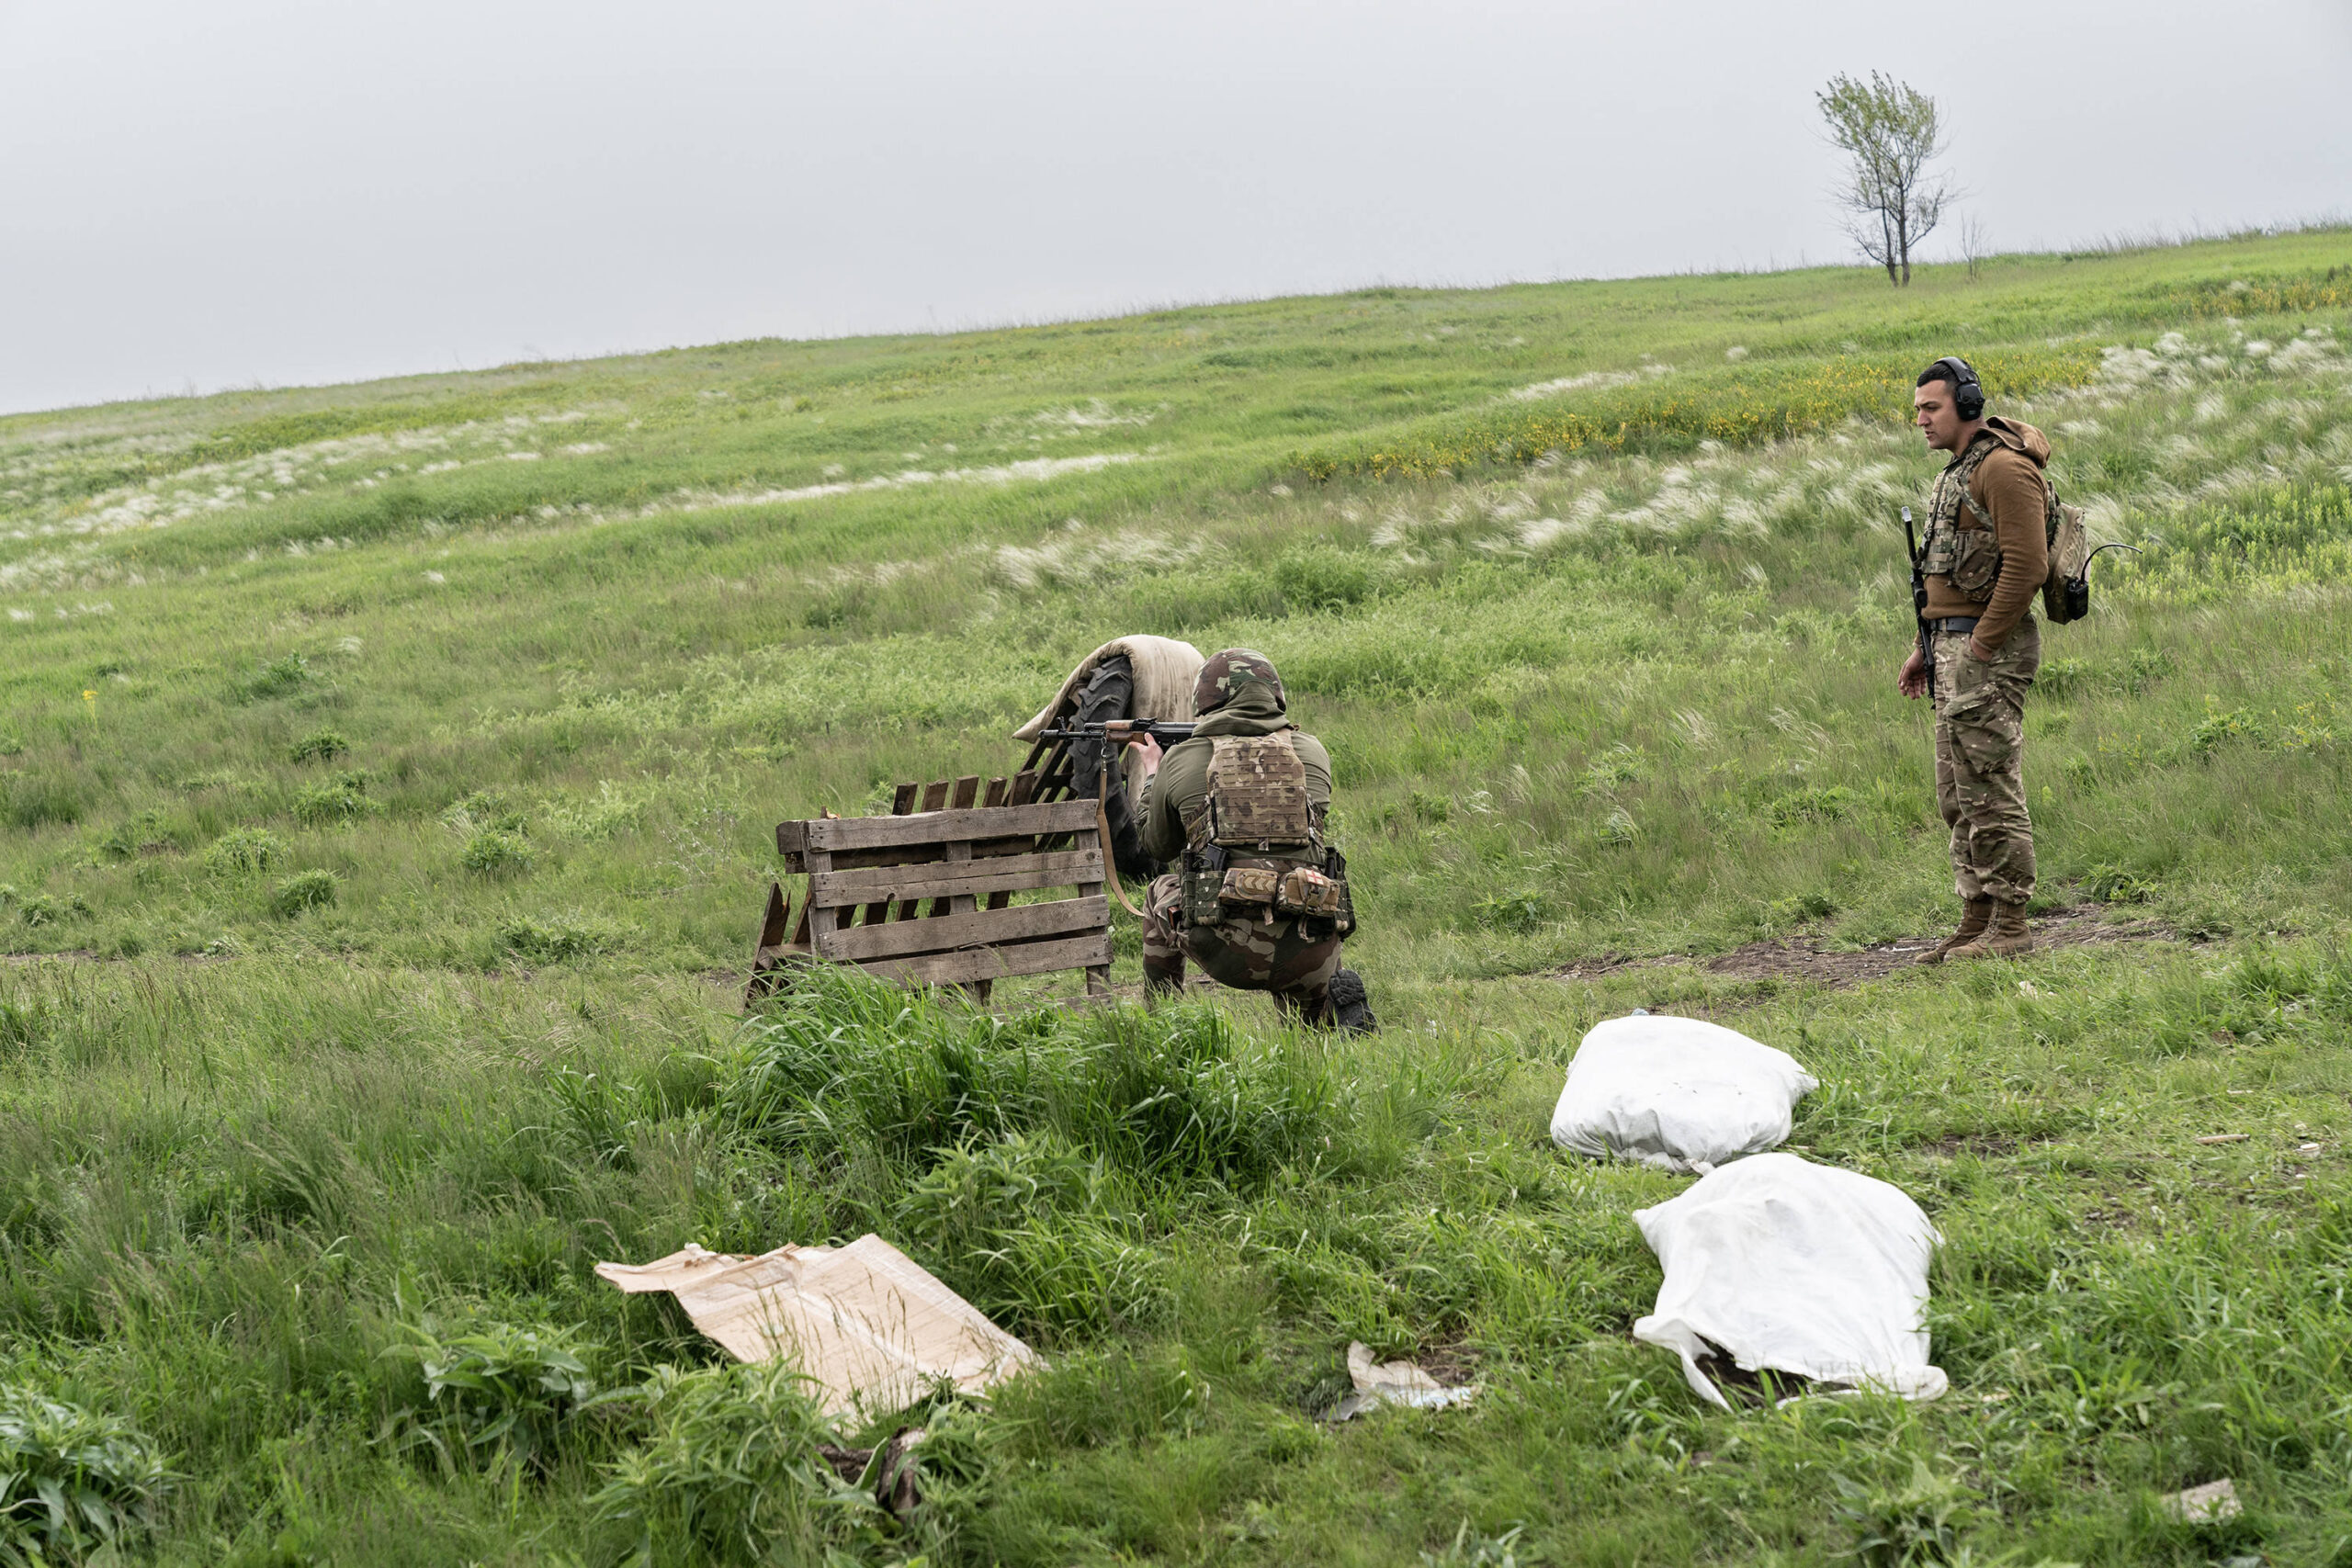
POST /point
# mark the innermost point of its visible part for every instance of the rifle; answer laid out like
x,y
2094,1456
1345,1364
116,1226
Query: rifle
x,y
1919,605
1124,731
1111,735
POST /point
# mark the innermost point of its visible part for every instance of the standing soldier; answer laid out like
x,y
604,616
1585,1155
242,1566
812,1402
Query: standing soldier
x,y
1260,900
1985,558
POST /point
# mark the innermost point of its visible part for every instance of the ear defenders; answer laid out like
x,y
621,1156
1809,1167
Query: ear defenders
x,y
1967,392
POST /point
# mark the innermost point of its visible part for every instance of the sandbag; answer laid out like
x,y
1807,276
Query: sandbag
x,y
1678,1093
1165,669
1783,1265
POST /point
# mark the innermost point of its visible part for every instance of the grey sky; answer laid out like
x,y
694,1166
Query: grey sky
x,y
279,191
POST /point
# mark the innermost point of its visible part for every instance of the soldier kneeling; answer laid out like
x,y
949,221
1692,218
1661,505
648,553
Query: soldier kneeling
x,y
1261,901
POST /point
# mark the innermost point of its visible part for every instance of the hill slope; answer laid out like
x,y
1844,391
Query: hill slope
x,y
1595,591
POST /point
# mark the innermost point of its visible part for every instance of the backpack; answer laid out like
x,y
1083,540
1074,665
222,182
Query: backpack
x,y
2066,591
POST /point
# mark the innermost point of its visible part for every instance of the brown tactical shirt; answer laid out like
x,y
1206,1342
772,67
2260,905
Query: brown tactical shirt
x,y
2007,484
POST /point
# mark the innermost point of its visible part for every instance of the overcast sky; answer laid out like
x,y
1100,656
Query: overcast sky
x,y
217,193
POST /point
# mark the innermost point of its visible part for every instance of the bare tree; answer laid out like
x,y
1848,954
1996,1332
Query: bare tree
x,y
1889,130
1973,246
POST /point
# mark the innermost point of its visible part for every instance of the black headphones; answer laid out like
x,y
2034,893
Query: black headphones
x,y
1967,392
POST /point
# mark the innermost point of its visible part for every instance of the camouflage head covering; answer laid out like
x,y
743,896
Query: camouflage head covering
x,y
1228,673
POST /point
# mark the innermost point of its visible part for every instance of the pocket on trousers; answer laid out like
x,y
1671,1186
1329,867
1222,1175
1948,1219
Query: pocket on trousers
x,y
1986,741
1970,681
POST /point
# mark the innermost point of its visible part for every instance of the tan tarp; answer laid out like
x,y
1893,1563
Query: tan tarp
x,y
1165,669
866,1323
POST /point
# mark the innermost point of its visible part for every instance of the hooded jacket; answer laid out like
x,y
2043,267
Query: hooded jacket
x,y
2008,485
1183,780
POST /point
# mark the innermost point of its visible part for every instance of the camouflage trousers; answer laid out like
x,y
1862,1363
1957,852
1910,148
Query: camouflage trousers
x,y
1248,956
1980,755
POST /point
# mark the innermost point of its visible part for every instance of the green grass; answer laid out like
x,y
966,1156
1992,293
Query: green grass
x,y
387,778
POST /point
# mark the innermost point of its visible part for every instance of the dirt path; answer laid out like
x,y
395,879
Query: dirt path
x,y
2083,926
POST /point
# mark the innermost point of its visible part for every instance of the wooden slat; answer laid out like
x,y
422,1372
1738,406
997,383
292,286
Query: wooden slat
x,y
941,879
902,801
1000,793
838,834
970,927
935,795
968,793
996,963
1023,791
773,919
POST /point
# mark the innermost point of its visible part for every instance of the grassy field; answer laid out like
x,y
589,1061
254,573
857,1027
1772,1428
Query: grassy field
x,y
387,775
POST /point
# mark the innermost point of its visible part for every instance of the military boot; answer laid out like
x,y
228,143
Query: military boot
x,y
2007,936
1975,914
1351,1007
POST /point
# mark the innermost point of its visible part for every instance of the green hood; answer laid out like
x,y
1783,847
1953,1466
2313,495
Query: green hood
x,y
1252,712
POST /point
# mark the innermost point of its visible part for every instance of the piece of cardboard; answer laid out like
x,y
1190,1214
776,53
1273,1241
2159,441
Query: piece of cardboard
x,y
869,1326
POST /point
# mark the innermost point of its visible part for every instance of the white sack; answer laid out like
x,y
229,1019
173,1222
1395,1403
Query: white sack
x,y
1797,1268
1678,1093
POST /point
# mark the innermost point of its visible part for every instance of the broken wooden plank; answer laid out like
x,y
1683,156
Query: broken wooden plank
x,y
774,919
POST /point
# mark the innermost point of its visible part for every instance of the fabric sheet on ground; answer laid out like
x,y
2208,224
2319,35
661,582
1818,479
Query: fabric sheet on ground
x,y
1787,1266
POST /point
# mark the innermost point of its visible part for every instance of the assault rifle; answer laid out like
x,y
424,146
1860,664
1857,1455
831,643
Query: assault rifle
x,y
1124,731
1919,604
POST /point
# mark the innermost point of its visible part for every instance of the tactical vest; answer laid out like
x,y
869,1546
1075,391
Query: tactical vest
x,y
1971,558
1254,846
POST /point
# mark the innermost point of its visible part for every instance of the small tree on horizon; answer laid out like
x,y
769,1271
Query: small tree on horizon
x,y
1891,130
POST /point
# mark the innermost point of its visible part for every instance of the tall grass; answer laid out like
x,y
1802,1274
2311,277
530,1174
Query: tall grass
x,y
388,776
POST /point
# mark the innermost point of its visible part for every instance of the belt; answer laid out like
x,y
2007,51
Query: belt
x,y
1955,624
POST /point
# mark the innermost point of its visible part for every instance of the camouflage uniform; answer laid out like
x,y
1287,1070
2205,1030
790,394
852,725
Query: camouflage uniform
x,y
1980,747
1984,559
1294,958
1248,956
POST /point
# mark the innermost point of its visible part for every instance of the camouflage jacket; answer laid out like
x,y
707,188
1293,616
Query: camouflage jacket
x,y
1183,780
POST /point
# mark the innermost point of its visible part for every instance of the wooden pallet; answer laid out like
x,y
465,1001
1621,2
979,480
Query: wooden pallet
x,y
925,895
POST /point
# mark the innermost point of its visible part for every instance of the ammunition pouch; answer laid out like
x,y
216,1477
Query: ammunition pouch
x,y
1249,887
1976,562
1203,885
1306,891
